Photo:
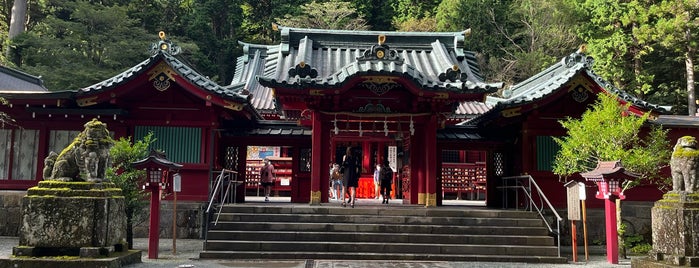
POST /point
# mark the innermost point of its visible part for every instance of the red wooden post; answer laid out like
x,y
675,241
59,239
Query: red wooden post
x,y
574,243
608,176
157,169
612,236
154,231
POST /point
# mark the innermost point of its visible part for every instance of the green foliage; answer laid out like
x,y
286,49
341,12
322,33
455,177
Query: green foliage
x,y
514,39
80,43
405,10
122,154
607,132
334,15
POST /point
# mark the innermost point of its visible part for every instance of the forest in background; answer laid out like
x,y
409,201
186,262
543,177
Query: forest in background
x,y
646,48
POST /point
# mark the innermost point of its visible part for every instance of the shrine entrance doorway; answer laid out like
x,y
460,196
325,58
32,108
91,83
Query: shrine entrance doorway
x,y
463,177
372,151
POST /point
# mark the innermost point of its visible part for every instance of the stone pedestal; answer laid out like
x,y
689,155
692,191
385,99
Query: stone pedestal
x,y
675,232
83,219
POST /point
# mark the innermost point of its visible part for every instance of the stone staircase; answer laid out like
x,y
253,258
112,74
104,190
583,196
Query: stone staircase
x,y
379,232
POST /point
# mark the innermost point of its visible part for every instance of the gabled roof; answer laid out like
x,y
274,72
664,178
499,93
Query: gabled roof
x,y
327,58
182,69
163,68
552,80
12,80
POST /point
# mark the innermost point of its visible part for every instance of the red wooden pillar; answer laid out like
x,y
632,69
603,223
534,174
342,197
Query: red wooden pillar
x,y
611,231
154,228
431,161
417,166
319,159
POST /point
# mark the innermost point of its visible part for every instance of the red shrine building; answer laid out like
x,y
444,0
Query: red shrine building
x,y
417,100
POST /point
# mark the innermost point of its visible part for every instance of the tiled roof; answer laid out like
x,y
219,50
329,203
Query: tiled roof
x,y
471,108
435,61
553,78
458,133
12,80
270,128
178,66
676,121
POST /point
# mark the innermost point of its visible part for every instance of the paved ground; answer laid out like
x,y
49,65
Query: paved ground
x,y
188,256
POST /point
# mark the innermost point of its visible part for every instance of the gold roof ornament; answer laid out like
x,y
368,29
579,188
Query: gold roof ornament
x,y
582,49
382,39
164,45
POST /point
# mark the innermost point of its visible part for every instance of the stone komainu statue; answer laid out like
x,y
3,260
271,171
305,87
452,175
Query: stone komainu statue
x,y
85,159
684,165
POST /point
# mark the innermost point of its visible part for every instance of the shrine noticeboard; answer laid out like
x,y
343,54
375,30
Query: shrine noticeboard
x,y
262,152
573,190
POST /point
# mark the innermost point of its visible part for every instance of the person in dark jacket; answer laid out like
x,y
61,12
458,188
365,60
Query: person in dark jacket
x,y
386,181
350,176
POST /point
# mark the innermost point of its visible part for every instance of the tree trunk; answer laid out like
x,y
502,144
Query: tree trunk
x,y
620,231
129,230
17,20
19,16
689,68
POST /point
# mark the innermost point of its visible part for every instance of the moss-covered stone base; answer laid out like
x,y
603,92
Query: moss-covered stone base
x,y
117,260
67,217
676,230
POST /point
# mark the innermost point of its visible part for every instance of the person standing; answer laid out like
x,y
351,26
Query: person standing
x,y
335,181
267,178
377,179
386,181
350,176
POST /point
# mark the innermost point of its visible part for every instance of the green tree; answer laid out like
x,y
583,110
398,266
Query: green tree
x,y
675,25
378,13
122,154
80,43
608,132
335,15
611,30
514,39
406,10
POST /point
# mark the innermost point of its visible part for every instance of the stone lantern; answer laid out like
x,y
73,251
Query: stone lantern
x,y
158,170
608,176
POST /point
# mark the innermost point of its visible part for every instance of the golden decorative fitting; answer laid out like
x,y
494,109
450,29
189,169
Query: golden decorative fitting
x,y
275,27
455,67
582,48
302,64
233,105
467,32
441,95
380,54
382,39
161,34
87,101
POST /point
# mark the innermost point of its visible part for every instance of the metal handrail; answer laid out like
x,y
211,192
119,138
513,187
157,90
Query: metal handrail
x,y
218,190
539,208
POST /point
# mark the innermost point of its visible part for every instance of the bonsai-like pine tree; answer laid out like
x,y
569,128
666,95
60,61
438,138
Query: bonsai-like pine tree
x,y
608,132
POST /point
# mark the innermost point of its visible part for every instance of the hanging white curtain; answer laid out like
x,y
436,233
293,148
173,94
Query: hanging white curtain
x,y
5,142
60,139
25,148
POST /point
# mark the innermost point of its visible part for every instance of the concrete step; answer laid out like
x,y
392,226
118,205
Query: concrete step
x,y
378,256
301,226
381,219
399,210
379,233
341,247
230,235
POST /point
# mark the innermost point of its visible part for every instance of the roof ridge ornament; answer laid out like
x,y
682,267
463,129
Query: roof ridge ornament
x,y
380,52
164,45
